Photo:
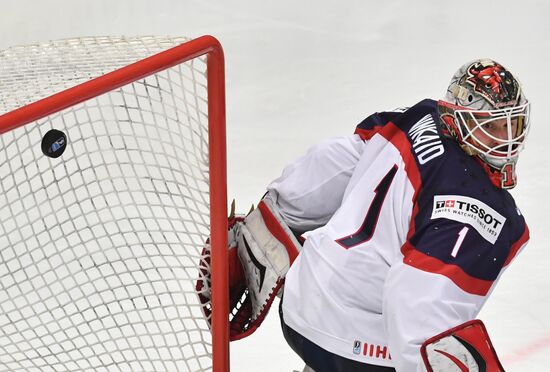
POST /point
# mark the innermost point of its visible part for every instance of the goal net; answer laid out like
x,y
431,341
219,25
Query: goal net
x,y
103,220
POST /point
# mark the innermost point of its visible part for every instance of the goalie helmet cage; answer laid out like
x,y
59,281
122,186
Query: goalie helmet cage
x,y
101,247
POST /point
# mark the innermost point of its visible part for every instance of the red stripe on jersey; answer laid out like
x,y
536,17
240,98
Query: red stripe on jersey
x,y
399,139
367,134
422,261
392,133
516,246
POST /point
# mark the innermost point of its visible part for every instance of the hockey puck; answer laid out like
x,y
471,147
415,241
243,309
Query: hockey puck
x,y
54,143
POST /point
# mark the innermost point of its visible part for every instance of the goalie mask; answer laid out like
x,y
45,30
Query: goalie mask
x,y
486,111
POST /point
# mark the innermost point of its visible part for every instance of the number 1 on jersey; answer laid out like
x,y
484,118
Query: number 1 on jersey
x,y
366,231
458,244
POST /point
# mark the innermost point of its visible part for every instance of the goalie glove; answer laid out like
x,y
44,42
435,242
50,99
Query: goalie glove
x,y
261,248
266,248
239,303
465,348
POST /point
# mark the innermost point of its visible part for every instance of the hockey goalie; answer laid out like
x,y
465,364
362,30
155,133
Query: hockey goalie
x,y
408,226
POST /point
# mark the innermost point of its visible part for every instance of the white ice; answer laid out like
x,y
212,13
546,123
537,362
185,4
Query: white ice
x,y
301,71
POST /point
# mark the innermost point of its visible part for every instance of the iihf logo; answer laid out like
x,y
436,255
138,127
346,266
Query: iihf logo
x,y
357,347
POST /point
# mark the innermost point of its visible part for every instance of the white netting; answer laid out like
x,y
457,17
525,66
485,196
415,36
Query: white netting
x,y
99,248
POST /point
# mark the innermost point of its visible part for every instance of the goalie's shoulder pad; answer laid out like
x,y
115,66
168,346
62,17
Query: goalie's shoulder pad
x,y
465,348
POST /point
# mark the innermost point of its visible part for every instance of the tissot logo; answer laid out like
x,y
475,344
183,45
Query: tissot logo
x,y
479,215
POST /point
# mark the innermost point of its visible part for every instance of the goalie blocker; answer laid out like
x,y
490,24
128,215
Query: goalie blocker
x,y
465,348
261,249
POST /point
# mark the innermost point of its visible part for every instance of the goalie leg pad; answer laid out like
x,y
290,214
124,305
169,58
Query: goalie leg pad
x,y
465,348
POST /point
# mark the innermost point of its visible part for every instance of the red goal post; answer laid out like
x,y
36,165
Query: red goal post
x,y
51,105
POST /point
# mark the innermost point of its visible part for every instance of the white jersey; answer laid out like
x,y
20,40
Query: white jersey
x,y
406,238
